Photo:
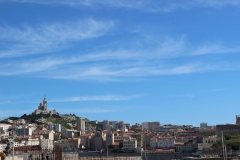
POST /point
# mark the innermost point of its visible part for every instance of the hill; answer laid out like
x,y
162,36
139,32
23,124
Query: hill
x,y
68,121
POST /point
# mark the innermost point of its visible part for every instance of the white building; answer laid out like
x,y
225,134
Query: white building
x,y
165,141
4,129
21,121
130,145
32,141
124,129
46,144
16,142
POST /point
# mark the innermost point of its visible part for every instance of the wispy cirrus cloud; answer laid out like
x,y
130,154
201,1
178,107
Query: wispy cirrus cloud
x,y
89,110
121,64
214,48
217,3
138,57
96,98
28,40
70,69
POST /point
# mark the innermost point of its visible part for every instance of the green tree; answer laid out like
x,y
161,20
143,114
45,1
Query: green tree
x,y
139,144
227,137
121,144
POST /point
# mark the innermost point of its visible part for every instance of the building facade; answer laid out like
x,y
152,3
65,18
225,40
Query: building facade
x,y
42,108
165,142
130,145
81,125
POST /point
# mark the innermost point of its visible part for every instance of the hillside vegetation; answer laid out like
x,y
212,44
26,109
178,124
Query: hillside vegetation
x,y
232,142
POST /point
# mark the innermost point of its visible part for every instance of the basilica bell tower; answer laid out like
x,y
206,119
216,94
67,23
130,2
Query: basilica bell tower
x,y
45,103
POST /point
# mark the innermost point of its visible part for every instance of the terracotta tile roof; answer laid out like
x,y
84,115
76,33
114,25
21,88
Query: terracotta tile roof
x,y
116,143
164,151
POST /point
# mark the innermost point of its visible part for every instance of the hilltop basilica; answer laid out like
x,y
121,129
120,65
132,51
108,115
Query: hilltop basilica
x,y
42,108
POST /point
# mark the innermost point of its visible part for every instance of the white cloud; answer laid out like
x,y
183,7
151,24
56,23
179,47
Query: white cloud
x,y
96,98
28,40
106,66
150,56
217,3
109,73
214,48
88,110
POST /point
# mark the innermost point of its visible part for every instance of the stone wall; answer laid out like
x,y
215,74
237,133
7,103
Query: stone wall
x,y
230,129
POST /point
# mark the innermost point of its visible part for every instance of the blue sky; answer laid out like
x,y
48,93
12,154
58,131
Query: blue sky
x,y
176,62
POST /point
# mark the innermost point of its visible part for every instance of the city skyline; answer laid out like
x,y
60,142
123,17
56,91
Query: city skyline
x,y
136,61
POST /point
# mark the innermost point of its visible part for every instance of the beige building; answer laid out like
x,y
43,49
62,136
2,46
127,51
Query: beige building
x,y
81,125
47,134
68,144
109,139
98,140
85,141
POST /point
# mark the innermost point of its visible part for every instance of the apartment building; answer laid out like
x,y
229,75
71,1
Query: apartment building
x,y
47,134
130,145
183,147
81,125
70,133
32,141
46,144
166,141
55,127
25,131
68,144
